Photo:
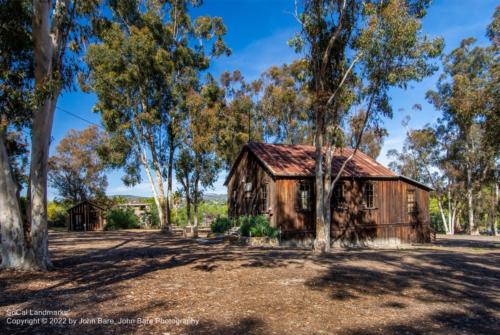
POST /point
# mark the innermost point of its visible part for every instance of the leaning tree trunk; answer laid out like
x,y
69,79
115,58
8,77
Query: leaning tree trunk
x,y
44,48
14,250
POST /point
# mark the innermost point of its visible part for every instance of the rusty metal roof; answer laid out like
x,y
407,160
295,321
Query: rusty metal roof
x,y
284,160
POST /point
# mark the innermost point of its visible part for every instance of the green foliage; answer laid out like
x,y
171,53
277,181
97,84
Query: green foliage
x,y
150,216
256,226
56,213
121,219
76,170
147,60
207,211
436,221
16,62
221,225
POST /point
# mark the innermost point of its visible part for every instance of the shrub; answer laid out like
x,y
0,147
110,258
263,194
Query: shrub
x,y
221,225
257,226
121,219
56,214
150,217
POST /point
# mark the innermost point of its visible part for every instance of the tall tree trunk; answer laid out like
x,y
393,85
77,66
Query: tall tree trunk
x,y
443,218
188,210
156,197
14,250
196,199
474,229
43,43
195,211
322,240
494,219
327,208
41,134
170,170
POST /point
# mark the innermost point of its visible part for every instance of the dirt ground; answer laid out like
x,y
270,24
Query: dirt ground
x,y
156,284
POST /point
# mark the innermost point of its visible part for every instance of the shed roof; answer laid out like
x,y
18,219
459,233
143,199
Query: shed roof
x,y
286,160
86,201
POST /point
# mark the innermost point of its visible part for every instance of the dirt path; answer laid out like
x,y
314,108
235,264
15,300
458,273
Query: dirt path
x,y
159,285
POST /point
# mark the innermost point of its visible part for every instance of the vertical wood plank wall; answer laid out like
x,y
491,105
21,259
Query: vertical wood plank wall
x,y
249,170
85,209
388,220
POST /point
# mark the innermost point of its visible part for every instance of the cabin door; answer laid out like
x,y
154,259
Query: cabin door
x,y
78,222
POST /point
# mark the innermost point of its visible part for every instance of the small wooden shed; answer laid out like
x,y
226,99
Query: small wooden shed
x,y
86,216
370,204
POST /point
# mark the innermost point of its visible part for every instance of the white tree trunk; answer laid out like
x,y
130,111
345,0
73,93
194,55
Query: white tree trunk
x,y
44,47
156,197
494,219
443,218
14,250
41,134
322,240
474,229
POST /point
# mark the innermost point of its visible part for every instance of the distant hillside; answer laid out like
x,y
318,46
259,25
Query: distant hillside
x,y
128,197
215,197
207,197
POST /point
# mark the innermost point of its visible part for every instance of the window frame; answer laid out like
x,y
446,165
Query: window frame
x,y
367,196
413,209
304,187
264,200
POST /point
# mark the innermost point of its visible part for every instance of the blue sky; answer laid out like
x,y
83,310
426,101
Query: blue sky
x,y
258,31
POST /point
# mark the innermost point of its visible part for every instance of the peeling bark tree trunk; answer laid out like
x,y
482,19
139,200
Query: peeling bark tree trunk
x,y
14,250
494,219
41,133
322,240
170,170
474,229
44,48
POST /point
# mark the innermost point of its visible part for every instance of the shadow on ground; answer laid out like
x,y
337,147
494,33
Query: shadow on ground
x,y
93,269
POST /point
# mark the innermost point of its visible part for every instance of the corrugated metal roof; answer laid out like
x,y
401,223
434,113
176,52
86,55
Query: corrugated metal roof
x,y
284,160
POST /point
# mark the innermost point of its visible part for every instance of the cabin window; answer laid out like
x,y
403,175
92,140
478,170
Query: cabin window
x,y
411,201
338,195
263,199
304,196
248,189
369,195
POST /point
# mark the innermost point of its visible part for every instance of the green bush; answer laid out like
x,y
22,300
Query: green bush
x,y
221,225
118,218
256,226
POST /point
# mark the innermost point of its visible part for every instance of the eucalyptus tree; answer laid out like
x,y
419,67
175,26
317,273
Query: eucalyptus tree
x,y
372,134
57,31
76,170
285,103
198,164
239,120
428,156
463,96
356,51
149,56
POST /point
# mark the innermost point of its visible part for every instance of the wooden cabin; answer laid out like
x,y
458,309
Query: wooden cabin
x,y
371,205
86,216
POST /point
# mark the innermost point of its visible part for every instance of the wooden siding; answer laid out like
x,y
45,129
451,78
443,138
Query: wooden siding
x,y
85,217
388,220
240,202
289,219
